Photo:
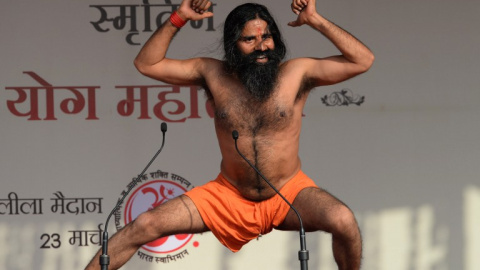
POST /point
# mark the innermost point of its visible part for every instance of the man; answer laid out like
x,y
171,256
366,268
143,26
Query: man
x,y
254,92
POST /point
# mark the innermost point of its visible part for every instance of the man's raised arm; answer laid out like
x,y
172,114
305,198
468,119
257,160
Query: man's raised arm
x,y
356,58
151,60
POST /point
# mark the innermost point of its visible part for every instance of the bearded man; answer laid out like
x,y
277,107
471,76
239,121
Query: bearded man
x,y
261,96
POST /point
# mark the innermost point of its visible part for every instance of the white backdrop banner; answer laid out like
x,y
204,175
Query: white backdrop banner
x,y
398,144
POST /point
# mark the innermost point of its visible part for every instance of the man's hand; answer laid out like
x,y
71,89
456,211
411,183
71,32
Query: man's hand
x,y
194,10
305,9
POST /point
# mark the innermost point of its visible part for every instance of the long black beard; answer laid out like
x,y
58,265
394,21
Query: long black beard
x,y
258,78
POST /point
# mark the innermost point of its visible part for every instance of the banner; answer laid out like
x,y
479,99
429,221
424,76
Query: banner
x,y
398,144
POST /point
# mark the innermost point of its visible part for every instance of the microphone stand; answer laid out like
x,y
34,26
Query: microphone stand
x,y
303,252
104,258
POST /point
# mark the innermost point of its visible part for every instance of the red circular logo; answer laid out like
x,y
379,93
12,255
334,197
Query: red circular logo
x,y
149,196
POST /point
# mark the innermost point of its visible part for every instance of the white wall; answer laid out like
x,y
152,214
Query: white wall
x,y
405,160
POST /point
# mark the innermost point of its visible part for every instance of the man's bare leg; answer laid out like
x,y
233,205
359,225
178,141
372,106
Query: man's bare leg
x,y
321,211
178,215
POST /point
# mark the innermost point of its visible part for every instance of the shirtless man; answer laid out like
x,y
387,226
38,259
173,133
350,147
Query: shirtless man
x,y
253,91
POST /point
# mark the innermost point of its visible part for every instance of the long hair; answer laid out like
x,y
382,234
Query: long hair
x,y
234,24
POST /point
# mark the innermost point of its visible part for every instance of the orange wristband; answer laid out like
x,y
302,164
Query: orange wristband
x,y
176,20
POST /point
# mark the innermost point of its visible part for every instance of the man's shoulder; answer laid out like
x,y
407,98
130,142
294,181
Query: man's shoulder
x,y
210,65
210,61
293,66
294,62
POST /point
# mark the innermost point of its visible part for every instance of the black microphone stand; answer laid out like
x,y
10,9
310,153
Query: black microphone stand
x,y
303,252
104,258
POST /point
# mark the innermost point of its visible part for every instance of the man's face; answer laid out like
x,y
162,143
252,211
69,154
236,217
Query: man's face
x,y
256,38
258,61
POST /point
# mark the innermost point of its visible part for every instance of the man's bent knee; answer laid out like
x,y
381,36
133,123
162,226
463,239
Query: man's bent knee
x,y
147,226
345,223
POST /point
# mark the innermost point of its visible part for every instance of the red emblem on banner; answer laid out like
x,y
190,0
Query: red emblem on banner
x,y
149,196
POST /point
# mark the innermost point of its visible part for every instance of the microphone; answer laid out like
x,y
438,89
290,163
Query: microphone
x,y
104,258
303,253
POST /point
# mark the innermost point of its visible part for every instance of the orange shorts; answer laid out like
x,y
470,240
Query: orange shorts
x,y
235,220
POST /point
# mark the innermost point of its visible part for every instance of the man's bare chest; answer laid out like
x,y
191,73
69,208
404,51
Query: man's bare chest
x,y
236,108
240,112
